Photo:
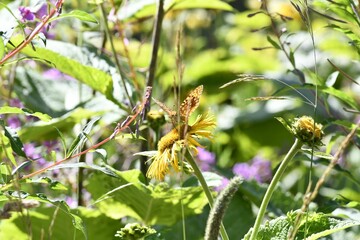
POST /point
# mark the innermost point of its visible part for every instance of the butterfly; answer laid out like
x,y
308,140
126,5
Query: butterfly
x,y
187,107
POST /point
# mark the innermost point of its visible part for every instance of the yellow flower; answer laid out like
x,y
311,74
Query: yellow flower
x,y
307,130
171,144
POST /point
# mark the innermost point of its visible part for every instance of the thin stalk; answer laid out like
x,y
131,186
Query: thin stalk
x,y
117,63
205,187
150,76
289,156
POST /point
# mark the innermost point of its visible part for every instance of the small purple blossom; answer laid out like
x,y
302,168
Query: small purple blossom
x,y
258,169
244,170
14,102
30,151
223,184
13,122
26,14
71,202
42,11
206,159
51,145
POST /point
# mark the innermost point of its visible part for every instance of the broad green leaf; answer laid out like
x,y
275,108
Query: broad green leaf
x,y
316,225
43,131
343,96
14,110
83,16
190,4
61,205
98,226
104,169
83,64
151,204
54,185
147,8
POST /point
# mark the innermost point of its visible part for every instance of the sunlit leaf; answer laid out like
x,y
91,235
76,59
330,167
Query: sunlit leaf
x,y
83,16
50,130
104,169
82,64
82,137
315,225
151,204
2,48
15,110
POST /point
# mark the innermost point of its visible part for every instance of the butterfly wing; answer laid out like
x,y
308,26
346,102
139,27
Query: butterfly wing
x,y
190,103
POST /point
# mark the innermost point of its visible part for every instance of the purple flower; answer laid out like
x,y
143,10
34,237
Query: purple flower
x,y
258,169
14,122
51,145
26,14
206,159
14,102
71,202
223,184
30,151
262,169
42,11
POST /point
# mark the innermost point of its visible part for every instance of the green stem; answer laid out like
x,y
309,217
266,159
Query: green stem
x,y
205,187
117,63
292,152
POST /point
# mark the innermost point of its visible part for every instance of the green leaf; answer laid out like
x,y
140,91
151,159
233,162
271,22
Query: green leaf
x,y
83,64
82,137
47,223
28,112
15,142
83,16
286,125
343,96
5,174
147,8
54,185
61,205
273,43
6,145
2,48
190,4
316,225
43,131
106,170
127,195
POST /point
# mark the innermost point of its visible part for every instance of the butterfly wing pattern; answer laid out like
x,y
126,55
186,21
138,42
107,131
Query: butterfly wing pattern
x,y
187,107
190,103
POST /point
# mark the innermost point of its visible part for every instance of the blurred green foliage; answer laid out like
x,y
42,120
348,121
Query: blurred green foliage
x,y
67,76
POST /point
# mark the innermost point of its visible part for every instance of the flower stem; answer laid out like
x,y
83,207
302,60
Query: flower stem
x,y
205,187
292,152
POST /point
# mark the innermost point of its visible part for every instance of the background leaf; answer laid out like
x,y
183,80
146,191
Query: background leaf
x,y
151,204
83,16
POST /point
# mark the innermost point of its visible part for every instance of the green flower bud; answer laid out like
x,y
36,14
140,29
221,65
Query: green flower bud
x,y
133,231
